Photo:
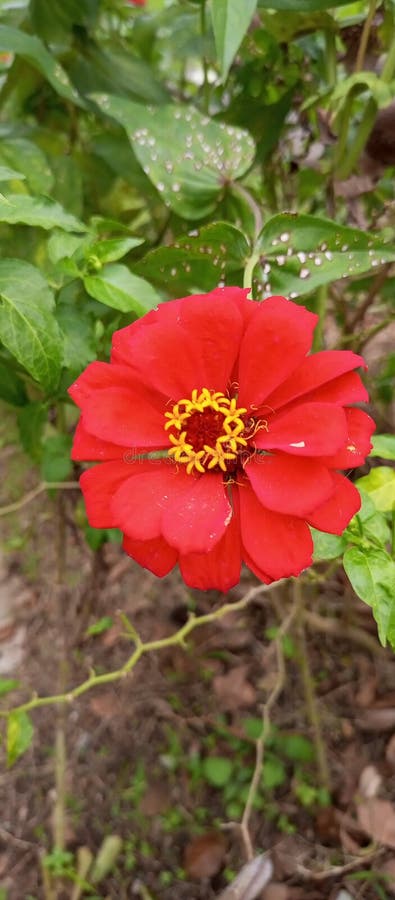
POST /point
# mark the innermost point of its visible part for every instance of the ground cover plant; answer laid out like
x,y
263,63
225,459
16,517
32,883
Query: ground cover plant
x,y
197,591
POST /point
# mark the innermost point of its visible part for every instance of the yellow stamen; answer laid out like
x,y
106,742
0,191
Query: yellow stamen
x,y
226,445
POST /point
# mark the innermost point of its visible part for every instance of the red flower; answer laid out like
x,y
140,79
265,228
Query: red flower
x,y
219,439
137,2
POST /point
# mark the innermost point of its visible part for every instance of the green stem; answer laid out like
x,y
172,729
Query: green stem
x,y
347,156
322,300
309,693
249,270
203,30
365,37
330,58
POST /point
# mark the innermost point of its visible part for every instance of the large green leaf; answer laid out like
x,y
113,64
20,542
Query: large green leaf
x,y
231,19
301,5
38,211
29,159
300,253
27,325
380,485
117,287
204,155
372,575
12,40
216,253
383,446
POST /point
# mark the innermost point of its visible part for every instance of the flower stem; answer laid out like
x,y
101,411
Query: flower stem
x,y
203,31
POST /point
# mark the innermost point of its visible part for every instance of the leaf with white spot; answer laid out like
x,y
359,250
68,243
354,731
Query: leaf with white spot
x,y
298,254
188,157
13,40
213,255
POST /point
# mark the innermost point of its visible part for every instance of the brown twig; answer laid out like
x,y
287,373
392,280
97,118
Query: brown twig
x,y
374,289
35,492
341,629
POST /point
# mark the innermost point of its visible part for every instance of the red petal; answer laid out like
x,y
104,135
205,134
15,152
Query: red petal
x,y
193,343
126,417
316,370
275,343
276,544
289,484
98,486
190,513
310,429
255,569
335,514
220,568
345,389
90,448
155,555
98,376
358,444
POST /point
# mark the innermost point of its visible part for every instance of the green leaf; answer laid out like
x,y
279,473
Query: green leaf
x,y
7,685
31,421
27,325
301,5
112,249
37,211
102,625
55,459
297,747
12,389
12,40
383,446
217,770
62,245
30,160
372,575
380,485
19,735
327,546
217,252
253,727
299,253
115,286
273,772
77,330
230,19
7,174
204,155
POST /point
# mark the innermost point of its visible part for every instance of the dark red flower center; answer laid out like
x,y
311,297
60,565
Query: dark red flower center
x,y
208,431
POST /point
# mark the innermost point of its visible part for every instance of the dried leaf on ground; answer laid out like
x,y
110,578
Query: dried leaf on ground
x,y
377,818
204,855
234,690
370,782
251,881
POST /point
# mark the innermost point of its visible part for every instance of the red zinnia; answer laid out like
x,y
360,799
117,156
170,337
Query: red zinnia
x,y
219,439
137,2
